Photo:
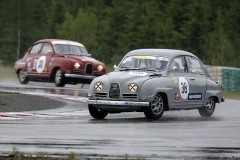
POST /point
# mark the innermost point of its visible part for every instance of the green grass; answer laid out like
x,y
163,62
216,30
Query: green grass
x,y
7,74
231,95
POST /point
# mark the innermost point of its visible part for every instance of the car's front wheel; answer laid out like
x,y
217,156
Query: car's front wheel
x,y
97,113
22,77
59,78
208,109
156,108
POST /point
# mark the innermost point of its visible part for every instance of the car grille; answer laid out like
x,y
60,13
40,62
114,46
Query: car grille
x,y
89,69
114,91
129,96
101,95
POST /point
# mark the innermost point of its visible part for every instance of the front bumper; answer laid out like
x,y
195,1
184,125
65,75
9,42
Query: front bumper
x,y
79,76
117,103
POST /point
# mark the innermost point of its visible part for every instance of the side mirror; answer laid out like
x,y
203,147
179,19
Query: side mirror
x,y
49,51
115,66
174,68
89,55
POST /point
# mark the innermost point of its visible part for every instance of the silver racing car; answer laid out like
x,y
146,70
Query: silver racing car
x,y
153,81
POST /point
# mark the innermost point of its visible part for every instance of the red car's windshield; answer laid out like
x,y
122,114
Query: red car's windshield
x,y
70,49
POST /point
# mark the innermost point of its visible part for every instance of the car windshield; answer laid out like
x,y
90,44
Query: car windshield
x,y
151,63
70,49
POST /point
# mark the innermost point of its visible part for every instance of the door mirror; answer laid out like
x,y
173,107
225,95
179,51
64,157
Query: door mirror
x,y
115,66
49,51
89,55
174,68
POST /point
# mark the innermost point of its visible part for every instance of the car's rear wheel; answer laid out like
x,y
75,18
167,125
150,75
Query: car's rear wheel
x,y
22,77
156,108
59,78
97,113
208,109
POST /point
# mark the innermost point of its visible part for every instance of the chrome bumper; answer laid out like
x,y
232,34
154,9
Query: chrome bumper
x,y
79,76
117,103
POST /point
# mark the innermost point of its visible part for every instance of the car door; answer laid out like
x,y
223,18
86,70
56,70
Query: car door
x,y
198,81
32,59
44,60
188,88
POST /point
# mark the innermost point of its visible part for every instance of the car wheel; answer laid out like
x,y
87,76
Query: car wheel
x,y
97,113
23,78
208,109
156,108
59,78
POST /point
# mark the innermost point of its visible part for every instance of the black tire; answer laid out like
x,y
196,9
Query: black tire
x,y
97,113
208,109
156,108
59,78
22,77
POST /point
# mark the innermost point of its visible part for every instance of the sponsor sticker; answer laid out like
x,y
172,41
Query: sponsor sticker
x,y
183,87
41,64
138,73
174,79
195,96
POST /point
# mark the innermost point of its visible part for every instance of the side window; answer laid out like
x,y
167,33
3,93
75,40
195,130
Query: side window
x,y
35,49
47,48
194,65
178,65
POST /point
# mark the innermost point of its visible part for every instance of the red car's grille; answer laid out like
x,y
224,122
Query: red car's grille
x,y
89,69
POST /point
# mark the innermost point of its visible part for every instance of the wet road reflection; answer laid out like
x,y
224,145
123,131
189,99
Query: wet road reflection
x,y
46,90
177,135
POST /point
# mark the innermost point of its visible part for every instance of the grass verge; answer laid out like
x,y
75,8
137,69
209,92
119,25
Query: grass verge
x,y
231,95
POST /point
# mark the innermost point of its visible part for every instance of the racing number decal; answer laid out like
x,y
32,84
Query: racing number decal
x,y
183,87
41,64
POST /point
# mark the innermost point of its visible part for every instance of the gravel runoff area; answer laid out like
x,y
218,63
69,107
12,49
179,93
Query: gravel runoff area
x,y
15,102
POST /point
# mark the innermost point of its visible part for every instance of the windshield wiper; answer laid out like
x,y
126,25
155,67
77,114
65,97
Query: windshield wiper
x,y
124,68
156,74
146,69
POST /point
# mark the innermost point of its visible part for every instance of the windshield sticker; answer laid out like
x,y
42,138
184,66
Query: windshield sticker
x,y
138,73
183,87
68,43
195,96
145,57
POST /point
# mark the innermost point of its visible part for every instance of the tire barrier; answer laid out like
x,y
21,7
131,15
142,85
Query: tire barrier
x,y
228,77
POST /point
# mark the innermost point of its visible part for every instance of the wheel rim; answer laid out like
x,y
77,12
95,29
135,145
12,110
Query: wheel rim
x,y
58,76
210,104
22,76
157,104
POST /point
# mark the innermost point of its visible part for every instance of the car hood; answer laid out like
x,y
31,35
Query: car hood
x,y
126,77
76,58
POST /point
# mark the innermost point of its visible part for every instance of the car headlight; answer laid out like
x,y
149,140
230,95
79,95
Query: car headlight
x,y
76,65
133,87
98,86
100,67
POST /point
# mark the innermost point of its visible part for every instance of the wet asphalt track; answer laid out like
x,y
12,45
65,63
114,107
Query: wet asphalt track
x,y
177,135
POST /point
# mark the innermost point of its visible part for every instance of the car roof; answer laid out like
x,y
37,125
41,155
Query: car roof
x,y
60,41
159,52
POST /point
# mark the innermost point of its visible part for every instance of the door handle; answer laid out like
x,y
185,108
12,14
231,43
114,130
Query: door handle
x,y
192,78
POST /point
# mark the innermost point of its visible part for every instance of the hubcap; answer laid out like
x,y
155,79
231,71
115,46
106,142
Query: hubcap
x,y
157,104
58,76
210,104
22,76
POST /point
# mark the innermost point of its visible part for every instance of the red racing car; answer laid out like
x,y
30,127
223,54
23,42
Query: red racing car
x,y
59,61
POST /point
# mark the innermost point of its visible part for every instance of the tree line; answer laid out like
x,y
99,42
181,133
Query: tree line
x,y
110,28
